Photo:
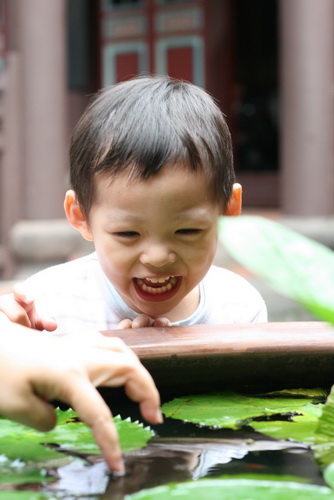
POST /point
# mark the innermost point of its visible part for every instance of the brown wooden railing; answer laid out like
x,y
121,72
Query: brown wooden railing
x,y
201,358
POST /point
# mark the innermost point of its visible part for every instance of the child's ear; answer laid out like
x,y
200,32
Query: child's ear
x,y
235,202
75,215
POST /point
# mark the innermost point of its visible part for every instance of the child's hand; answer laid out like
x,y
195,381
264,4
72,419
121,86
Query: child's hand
x,y
36,368
142,321
21,309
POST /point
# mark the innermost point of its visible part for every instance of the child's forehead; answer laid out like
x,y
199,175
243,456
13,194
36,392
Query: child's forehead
x,y
176,184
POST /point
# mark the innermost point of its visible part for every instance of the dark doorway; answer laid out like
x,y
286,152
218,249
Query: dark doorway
x,y
256,106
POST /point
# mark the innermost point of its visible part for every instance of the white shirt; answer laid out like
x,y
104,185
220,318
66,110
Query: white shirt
x,y
80,297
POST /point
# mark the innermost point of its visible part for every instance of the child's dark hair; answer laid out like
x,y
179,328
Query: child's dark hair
x,y
143,124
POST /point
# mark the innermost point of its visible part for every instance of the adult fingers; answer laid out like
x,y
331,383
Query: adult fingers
x,y
30,410
140,387
114,364
91,408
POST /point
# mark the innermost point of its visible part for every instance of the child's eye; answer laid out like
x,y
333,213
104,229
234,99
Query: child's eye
x,y
126,234
188,231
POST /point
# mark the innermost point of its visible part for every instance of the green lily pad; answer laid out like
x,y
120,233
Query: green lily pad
x,y
231,410
315,393
259,476
20,442
325,428
295,265
25,454
328,475
235,489
77,436
299,428
69,434
324,436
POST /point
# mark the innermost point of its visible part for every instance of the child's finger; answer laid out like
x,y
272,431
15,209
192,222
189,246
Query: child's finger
x,y
13,310
44,322
124,324
162,322
21,295
38,318
142,321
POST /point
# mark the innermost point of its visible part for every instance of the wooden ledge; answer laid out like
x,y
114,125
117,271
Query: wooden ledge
x,y
198,358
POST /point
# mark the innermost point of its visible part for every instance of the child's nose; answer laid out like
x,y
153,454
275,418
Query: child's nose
x,y
157,255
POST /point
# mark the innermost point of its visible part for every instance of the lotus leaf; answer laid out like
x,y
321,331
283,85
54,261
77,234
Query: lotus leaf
x,y
231,410
25,453
235,489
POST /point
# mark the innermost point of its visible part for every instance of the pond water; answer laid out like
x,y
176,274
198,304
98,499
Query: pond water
x,y
184,451
181,451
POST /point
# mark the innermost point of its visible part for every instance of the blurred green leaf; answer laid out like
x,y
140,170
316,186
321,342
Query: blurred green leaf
x,y
324,435
235,489
295,265
25,474
25,495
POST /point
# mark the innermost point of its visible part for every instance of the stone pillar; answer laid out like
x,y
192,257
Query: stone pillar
x,y
307,121
42,46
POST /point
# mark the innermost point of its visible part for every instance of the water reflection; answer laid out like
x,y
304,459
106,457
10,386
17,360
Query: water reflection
x,y
173,459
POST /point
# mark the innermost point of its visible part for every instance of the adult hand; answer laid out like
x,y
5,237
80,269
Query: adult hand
x,y
37,367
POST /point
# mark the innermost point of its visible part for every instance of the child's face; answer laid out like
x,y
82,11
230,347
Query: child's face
x,y
155,239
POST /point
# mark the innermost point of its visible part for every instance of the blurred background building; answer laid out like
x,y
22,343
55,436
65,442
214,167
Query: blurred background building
x,y
269,63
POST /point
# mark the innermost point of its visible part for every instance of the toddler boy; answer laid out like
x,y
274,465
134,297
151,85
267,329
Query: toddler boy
x,y
151,172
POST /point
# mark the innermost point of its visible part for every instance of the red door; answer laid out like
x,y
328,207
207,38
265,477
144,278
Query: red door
x,y
223,46
166,36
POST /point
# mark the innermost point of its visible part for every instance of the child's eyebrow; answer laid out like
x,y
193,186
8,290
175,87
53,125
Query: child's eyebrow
x,y
123,215
194,213
191,215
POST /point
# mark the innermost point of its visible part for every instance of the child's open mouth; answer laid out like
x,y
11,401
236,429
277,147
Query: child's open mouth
x,y
157,289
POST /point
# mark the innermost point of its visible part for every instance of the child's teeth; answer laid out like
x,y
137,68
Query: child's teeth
x,y
170,282
157,280
156,291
